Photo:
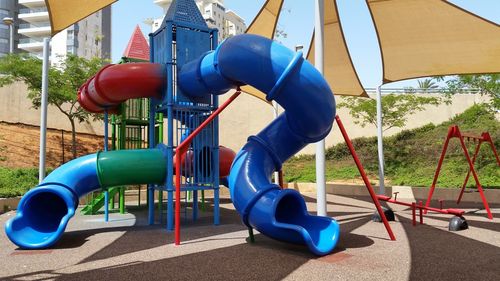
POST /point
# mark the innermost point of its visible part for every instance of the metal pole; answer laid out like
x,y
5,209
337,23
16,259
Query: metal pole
x,y
10,22
106,192
11,27
380,142
320,146
275,115
43,107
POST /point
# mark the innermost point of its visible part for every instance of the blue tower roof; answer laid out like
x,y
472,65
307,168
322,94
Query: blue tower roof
x,y
185,11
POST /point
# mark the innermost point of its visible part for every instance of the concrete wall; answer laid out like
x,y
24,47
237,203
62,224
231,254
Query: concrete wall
x,y
249,115
246,116
15,107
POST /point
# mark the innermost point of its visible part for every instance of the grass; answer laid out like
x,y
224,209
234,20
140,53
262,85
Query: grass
x,y
15,182
411,156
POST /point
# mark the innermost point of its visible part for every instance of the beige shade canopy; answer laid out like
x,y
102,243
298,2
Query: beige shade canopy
x,y
264,24
338,68
421,38
64,13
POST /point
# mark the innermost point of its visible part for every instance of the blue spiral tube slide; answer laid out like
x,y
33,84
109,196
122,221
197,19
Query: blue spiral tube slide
x,y
309,114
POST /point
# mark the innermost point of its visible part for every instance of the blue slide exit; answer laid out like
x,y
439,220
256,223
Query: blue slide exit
x,y
40,225
309,114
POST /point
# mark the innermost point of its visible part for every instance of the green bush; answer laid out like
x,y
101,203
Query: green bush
x,y
15,182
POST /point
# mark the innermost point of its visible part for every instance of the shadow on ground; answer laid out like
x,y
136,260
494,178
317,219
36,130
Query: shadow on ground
x,y
442,255
245,261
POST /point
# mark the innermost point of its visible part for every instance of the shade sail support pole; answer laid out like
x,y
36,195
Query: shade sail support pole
x,y
380,141
43,109
319,43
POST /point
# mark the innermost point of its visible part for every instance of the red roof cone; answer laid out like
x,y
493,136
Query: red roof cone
x,y
138,47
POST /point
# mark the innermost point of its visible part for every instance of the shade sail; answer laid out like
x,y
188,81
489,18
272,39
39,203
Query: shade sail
x,y
64,13
338,67
421,38
264,24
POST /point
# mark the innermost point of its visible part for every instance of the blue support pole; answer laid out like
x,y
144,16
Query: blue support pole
x,y
169,183
106,193
151,144
195,205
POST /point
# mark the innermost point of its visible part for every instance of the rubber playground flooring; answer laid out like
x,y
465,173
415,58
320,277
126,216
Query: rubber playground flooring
x,y
126,248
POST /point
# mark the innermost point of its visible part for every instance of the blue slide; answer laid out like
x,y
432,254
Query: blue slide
x,y
309,114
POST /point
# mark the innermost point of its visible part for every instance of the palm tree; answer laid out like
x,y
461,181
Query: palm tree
x,y
427,84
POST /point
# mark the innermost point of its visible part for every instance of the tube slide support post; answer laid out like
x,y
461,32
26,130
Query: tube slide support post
x,y
275,115
380,142
320,146
43,107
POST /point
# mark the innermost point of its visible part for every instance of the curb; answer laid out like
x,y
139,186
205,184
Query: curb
x,y
405,193
8,204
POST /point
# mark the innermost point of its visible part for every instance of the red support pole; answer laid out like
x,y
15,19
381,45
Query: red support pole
x,y
476,179
468,172
178,156
420,206
365,178
413,213
486,136
451,131
182,149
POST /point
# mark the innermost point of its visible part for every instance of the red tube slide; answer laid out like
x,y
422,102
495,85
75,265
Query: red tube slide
x,y
115,84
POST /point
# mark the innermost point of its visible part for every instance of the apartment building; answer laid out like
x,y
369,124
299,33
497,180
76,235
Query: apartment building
x,y
8,9
215,14
88,38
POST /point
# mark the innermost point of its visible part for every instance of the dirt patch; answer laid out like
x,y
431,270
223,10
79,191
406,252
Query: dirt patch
x,y
19,146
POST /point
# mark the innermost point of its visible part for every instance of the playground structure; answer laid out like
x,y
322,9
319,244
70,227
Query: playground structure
x,y
184,86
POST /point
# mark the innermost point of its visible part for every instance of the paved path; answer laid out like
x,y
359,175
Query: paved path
x,y
127,249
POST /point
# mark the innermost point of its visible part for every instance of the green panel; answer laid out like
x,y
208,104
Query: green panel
x,y
98,202
127,167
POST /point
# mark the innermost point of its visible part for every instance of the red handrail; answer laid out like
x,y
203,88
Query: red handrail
x,y
182,149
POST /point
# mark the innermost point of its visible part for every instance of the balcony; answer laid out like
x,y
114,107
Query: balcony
x,y
35,30
32,3
31,45
35,17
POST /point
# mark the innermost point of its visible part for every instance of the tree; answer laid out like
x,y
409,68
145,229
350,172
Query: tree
x,y
427,84
396,108
486,84
64,82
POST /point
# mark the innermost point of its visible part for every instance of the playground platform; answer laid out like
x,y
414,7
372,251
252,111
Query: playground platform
x,y
127,248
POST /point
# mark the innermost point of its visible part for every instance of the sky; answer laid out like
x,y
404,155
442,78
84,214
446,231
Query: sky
x,y
297,21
